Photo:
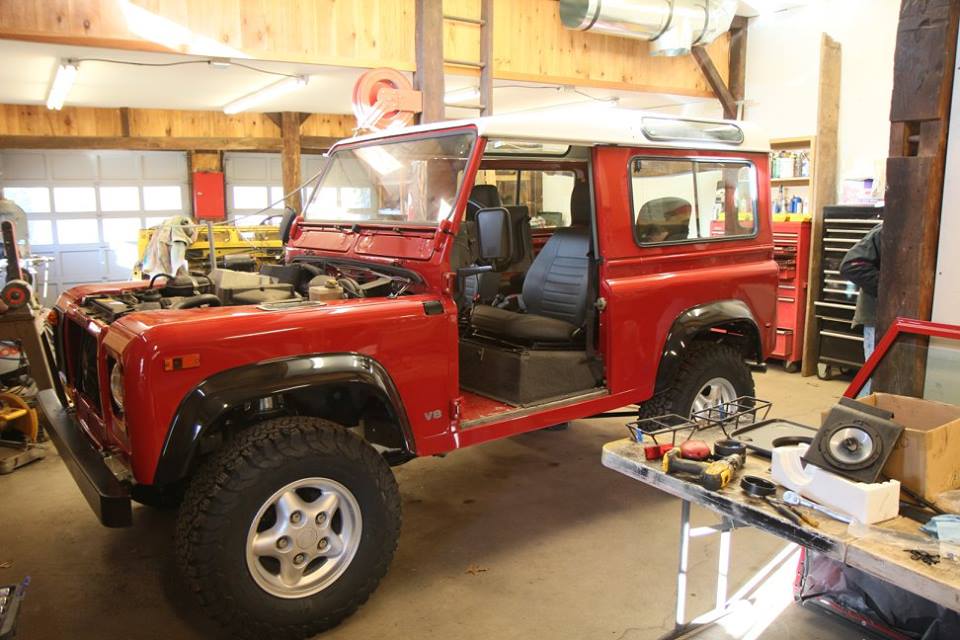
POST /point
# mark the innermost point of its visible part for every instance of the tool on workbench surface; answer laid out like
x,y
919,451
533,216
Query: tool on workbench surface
x,y
794,498
712,475
728,447
694,450
761,489
925,557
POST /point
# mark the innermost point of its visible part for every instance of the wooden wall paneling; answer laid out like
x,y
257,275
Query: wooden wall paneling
x,y
530,43
923,73
824,188
34,126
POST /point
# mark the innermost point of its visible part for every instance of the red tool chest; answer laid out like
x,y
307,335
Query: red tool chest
x,y
791,240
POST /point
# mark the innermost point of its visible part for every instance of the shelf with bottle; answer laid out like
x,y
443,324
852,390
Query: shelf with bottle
x,y
790,165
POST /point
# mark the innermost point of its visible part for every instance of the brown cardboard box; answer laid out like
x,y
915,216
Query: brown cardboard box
x,y
927,456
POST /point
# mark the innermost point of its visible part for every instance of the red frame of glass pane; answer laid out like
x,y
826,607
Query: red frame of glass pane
x,y
899,326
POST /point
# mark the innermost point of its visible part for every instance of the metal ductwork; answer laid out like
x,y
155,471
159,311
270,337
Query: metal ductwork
x,y
672,27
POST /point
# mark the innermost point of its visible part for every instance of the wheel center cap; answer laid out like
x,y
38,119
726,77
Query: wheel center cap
x,y
308,538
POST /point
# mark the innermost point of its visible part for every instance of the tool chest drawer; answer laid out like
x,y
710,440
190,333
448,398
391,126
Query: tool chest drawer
x,y
839,343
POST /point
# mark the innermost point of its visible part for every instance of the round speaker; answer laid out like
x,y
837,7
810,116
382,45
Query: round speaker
x,y
853,445
369,113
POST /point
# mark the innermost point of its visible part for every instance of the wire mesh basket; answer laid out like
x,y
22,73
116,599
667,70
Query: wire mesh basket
x,y
727,416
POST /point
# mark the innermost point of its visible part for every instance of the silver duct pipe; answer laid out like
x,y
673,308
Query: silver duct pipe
x,y
673,27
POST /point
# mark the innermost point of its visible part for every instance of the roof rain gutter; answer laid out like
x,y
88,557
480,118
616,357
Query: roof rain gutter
x,y
673,27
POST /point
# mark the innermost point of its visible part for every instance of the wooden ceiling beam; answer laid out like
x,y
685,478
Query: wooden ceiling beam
x,y
715,80
158,143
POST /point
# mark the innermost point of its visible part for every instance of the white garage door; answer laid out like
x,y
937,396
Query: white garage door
x,y
254,181
85,208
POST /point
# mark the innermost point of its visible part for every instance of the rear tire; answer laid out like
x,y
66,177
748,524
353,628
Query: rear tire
x,y
703,363
265,515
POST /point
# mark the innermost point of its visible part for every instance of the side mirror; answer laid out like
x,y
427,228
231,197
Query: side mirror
x,y
286,224
494,234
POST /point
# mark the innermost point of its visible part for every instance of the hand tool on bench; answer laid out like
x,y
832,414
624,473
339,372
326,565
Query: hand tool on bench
x,y
711,475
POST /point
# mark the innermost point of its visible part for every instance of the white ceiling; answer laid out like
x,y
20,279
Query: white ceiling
x,y
28,68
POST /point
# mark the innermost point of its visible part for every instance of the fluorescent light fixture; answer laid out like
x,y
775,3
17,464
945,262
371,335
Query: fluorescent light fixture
x,y
62,82
460,96
265,94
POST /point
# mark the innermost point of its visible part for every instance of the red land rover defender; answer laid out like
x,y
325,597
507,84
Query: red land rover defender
x,y
447,285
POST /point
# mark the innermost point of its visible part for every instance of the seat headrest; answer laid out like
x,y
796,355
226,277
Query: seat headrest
x,y
580,204
664,210
486,195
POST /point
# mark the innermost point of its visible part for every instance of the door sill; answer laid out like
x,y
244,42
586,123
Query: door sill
x,y
536,408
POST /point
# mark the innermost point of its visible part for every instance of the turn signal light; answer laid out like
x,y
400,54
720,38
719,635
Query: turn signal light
x,y
176,363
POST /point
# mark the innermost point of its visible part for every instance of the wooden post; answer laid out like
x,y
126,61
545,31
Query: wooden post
x,y
486,57
824,188
923,72
290,158
737,77
428,78
715,80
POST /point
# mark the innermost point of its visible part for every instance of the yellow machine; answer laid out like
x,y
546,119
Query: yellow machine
x,y
260,244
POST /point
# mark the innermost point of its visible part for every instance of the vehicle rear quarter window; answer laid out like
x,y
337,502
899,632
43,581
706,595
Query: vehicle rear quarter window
x,y
680,200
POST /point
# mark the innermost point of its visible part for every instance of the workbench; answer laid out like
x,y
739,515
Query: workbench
x,y
939,583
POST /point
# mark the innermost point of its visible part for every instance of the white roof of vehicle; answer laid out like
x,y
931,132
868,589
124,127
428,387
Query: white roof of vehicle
x,y
585,127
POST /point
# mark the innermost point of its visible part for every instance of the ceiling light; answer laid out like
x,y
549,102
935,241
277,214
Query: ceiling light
x,y
62,81
460,96
269,92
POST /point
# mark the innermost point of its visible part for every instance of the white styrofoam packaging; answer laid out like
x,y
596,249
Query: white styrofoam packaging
x,y
865,502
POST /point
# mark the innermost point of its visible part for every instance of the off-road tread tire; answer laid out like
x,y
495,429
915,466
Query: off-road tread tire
x,y
219,484
703,361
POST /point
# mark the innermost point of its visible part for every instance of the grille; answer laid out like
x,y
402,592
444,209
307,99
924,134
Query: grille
x,y
87,381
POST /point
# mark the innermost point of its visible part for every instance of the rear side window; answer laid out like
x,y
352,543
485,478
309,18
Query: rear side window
x,y
675,200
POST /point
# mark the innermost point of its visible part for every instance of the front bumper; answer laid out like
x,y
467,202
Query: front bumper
x,y
108,497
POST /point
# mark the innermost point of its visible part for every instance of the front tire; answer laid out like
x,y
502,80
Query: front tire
x,y
710,373
289,528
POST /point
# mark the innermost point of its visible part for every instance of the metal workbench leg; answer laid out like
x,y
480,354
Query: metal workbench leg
x,y
684,558
724,528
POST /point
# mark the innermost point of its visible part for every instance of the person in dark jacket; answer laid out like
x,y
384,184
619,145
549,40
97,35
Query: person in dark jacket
x,y
861,266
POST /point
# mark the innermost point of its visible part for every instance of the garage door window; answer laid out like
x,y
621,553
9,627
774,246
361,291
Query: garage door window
x,y
85,209
74,199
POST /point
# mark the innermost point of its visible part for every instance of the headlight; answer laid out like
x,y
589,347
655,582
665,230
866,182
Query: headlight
x,y
116,386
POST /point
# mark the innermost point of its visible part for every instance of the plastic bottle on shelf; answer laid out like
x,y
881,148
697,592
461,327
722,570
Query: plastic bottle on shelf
x,y
774,166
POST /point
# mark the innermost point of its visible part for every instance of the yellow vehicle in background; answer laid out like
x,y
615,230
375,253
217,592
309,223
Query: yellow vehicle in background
x,y
239,248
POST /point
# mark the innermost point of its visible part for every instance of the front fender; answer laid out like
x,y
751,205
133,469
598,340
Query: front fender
x,y
221,392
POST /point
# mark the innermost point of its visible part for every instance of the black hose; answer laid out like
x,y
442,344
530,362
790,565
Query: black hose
x,y
203,300
157,275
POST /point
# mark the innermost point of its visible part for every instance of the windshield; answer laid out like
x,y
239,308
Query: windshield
x,y
409,182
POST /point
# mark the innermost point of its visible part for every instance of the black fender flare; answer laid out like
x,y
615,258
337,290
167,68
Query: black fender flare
x,y
219,393
697,320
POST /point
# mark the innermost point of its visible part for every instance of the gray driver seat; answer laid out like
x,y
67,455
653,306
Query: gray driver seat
x,y
555,289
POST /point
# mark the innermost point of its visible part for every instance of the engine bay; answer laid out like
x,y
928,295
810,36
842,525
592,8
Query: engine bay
x,y
274,287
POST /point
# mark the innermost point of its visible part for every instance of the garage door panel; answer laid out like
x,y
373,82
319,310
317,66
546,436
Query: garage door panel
x,y
81,165
24,165
164,166
120,166
85,265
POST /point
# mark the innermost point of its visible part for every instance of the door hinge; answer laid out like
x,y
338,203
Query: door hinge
x,y
455,408
600,304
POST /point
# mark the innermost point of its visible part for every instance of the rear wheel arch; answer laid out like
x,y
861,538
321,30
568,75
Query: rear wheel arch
x,y
728,322
346,388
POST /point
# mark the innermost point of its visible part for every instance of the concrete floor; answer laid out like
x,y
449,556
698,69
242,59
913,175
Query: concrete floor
x,y
527,537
